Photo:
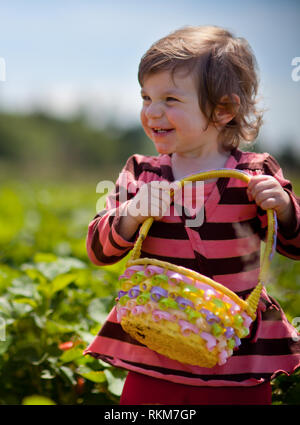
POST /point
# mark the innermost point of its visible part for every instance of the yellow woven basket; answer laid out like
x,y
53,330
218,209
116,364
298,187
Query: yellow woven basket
x,y
182,314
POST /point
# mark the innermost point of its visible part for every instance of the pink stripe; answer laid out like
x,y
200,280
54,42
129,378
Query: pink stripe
x,y
258,364
149,176
232,213
230,248
173,217
238,282
104,230
111,202
89,239
112,317
234,365
168,247
274,330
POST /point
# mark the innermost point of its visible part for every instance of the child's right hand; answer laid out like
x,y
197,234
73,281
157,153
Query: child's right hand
x,y
152,200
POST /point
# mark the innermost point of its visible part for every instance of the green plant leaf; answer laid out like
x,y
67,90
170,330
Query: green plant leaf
x,y
22,286
99,308
61,266
5,306
60,282
70,355
44,257
115,383
7,274
68,374
54,327
29,301
33,273
4,345
47,374
96,376
37,400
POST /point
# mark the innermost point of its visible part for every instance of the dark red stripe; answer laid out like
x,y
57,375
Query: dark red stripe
x,y
168,230
97,249
225,231
235,196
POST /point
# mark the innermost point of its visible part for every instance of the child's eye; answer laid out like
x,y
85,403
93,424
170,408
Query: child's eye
x,y
171,99
145,97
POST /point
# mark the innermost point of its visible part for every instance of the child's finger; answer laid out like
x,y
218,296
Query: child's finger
x,y
261,186
268,203
261,180
263,195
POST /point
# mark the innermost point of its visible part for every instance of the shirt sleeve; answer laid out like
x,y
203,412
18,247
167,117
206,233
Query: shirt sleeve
x,y
288,237
104,243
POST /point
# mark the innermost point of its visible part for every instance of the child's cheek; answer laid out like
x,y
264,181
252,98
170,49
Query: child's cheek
x,y
182,122
174,117
144,121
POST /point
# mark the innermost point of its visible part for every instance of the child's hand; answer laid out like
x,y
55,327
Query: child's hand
x,y
152,200
267,192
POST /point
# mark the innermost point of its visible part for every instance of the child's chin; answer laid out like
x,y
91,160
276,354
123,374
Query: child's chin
x,y
163,150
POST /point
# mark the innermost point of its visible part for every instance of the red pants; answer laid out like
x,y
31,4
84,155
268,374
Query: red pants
x,y
143,389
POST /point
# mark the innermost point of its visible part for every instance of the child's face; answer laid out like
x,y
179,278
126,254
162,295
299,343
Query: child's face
x,y
171,116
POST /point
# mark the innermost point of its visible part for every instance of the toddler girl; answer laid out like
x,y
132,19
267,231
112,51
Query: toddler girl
x,y
199,87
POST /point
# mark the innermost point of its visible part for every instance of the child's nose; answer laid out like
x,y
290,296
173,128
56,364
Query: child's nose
x,y
155,110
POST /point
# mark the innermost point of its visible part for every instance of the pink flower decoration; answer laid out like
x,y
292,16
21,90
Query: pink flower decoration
x,y
159,314
187,327
210,339
247,319
175,277
151,270
177,314
121,312
208,294
222,357
131,270
138,309
202,286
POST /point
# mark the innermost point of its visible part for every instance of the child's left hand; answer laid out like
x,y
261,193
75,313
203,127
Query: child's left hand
x,y
267,192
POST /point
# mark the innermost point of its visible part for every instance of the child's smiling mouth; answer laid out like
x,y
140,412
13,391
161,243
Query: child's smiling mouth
x,y
162,131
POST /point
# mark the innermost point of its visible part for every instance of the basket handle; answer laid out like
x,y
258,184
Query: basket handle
x,y
253,298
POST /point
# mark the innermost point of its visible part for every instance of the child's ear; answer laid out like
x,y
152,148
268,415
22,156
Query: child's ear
x,y
227,109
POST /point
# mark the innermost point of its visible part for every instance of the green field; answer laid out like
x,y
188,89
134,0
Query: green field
x,y
51,294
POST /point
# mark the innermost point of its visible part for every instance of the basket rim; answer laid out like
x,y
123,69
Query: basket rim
x,y
194,275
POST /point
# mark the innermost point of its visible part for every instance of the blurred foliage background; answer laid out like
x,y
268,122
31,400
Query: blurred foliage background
x,y
52,299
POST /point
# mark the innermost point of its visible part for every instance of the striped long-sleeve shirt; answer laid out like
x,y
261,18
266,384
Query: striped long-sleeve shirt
x,y
225,247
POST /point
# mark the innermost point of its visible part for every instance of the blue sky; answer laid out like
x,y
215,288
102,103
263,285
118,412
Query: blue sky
x,y
61,55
